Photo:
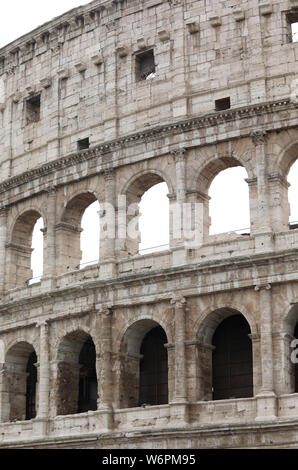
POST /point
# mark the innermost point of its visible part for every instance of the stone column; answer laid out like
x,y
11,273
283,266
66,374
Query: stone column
x,y
3,232
44,371
49,270
176,208
179,409
108,226
179,155
285,370
180,393
263,235
104,367
256,361
4,395
266,396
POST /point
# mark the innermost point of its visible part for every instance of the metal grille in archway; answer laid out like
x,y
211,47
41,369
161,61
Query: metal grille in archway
x,y
232,366
154,369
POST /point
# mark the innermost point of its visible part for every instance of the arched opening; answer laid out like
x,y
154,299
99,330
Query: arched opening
x,y
225,195
31,387
25,251
76,374
293,195
232,366
147,208
37,251
144,365
20,387
154,368
210,352
88,380
154,219
229,203
78,233
90,235
296,363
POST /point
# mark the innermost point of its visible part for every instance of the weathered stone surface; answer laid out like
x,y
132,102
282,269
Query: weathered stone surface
x,y
82,65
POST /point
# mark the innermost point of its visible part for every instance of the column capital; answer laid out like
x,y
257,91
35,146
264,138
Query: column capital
x,y
260,287
178,300
3,210
179,154
104,309
259,136
3,369
109,174
51,190
42,323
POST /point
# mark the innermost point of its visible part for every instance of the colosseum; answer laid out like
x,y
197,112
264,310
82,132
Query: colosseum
x,y
185,347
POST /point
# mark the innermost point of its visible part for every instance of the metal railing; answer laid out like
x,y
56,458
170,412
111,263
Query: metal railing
x,y
34,280
293,225
241,231
154,249
87,263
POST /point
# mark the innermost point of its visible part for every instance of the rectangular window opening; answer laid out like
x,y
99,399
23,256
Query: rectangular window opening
x,y
292,20
33,109
222,104
145,66
83,144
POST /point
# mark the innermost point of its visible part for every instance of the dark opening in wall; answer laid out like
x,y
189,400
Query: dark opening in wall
x,y
83,144
31,387
222,104
145,65
292,22
33,109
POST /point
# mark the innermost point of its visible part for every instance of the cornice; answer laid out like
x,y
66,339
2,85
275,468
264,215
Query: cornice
x,y
146,136
202,268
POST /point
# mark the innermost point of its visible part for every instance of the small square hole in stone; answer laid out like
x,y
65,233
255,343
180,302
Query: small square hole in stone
x,y
83,144
222,104
292,20
145,65
33,109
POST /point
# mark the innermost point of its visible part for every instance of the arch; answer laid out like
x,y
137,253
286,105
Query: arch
x,y
289,332
134,190
206,326
232,364
215,314
287,157
139,184
213,167
20,248
69,231
137,364
20,384
75,207
76,369
155,321
208,171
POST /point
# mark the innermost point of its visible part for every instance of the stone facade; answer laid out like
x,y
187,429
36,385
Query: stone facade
x,y
79,77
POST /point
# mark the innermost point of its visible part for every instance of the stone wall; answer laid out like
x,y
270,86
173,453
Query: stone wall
x,y
84,66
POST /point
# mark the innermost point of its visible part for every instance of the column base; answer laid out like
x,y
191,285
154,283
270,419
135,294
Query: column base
x,y
263,242
179,413
266,406
108,269
179,256
40,426
102,419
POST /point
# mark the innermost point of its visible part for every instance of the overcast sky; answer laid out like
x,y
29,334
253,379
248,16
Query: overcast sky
x,y
19,17
229,211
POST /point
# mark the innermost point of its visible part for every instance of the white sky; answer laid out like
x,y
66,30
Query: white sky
x,y
19,17
229,211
